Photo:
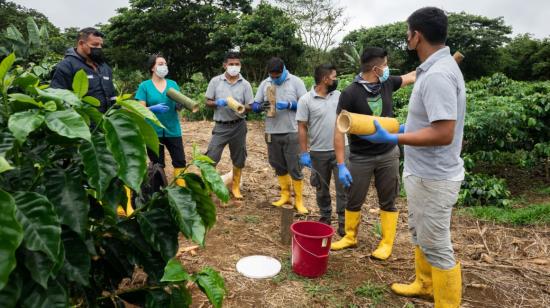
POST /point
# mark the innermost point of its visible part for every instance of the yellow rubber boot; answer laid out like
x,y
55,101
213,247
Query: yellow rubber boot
x,y
388,220
351,225
284,182
298,199
179,181
422,285
447,285
236,186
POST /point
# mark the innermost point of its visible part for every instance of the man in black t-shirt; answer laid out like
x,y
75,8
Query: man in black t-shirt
x,y
371,94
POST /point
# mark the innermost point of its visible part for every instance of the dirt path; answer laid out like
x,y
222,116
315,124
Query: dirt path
x,y
502,266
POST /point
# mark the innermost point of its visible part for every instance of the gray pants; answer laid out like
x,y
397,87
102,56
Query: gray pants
x,y
324,166
385,168
430,206
232,134
283,151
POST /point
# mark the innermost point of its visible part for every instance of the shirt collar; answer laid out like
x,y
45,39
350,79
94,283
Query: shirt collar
x,y
314,94
436,56
225,77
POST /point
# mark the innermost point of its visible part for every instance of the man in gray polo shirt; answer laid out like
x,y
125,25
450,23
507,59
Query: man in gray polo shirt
x,y
316,116
282,130
230,126
433,167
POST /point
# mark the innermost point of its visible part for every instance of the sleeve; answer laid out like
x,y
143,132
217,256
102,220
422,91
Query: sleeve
x,y
141,93
302,113
440,97
211,90
396,82
343,102
176,86
114,90
62,77
248,94
260,93
300,88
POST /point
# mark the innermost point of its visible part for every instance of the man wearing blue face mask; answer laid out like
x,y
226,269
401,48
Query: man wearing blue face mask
x,y
282,130
371,94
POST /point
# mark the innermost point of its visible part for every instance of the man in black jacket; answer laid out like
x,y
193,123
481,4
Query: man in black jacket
x,y
88,55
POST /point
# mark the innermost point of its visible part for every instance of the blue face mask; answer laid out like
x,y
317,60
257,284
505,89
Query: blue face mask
x,y
279,81
385,74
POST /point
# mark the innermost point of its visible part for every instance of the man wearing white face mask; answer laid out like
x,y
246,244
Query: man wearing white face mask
x,y
371,94
230,128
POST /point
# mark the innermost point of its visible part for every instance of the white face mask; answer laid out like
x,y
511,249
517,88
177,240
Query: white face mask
x,y
161,71
233,70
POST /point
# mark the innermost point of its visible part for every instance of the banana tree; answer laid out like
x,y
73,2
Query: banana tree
x,y
63,169
34,43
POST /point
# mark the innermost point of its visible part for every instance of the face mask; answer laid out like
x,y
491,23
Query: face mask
x,y
233,70
385,74
161,71
96,55
279,81
333,86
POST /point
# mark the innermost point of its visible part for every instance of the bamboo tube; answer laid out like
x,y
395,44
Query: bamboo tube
x,y
458,57
187,102
362,124
234,105
272,99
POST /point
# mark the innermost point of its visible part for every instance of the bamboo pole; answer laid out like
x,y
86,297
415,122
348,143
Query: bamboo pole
x,y
272,99
458,56
235,105
187,102
362,124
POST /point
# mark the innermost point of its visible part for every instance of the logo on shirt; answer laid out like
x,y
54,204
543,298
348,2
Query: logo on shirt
x,y
375,104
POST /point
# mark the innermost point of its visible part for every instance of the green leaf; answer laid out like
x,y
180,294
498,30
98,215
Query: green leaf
x,y
59,95
147,131
11,234
68,123
139,109
205,206
23,98
77,262
128,148
53,297
184,212
40,267
50,106
65,191
158,230
34,33
26,80
5,66
4,165
21,124
44,35
10,294
215,182
180,297
98,163
212,284
80,83
40,223
91,100
174,272
6,142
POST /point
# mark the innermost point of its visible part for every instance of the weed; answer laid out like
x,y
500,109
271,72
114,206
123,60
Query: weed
x,y
375,292
377,230
530,215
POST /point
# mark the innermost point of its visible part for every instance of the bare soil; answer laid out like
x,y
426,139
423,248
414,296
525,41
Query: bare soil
x,y
502,266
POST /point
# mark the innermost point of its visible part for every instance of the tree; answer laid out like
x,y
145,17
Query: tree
x,y
16,15
265,33
525,58
180,29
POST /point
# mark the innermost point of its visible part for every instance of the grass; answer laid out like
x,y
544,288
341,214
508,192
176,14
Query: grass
x,y
530,215
377,230
375,292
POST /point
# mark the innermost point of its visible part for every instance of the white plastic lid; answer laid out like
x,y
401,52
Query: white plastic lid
x,y
258,267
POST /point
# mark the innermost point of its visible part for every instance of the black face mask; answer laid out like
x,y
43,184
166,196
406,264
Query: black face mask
x,y
333,86
96,54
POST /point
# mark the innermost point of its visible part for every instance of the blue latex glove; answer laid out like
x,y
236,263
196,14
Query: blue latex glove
x,y
257,107
284,105
344,176
401,129
159,108
220,102
380,136
305,159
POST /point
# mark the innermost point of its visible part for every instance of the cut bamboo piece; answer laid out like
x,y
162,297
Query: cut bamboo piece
x,y
234,105
362,124
287,218
271,93
458,57
187,102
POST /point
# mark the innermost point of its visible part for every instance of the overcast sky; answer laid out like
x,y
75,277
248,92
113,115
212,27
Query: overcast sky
x,y
523,15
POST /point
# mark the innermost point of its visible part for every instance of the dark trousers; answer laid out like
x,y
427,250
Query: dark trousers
x,y
175,148
283,151
323,168
234,135
385,169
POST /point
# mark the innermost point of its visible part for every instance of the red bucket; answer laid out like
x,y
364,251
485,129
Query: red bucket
x,y
310,248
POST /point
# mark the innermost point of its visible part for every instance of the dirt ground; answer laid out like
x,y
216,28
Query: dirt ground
x,y
502,266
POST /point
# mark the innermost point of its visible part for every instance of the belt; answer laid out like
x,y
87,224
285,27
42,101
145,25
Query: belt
x,y
230,122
